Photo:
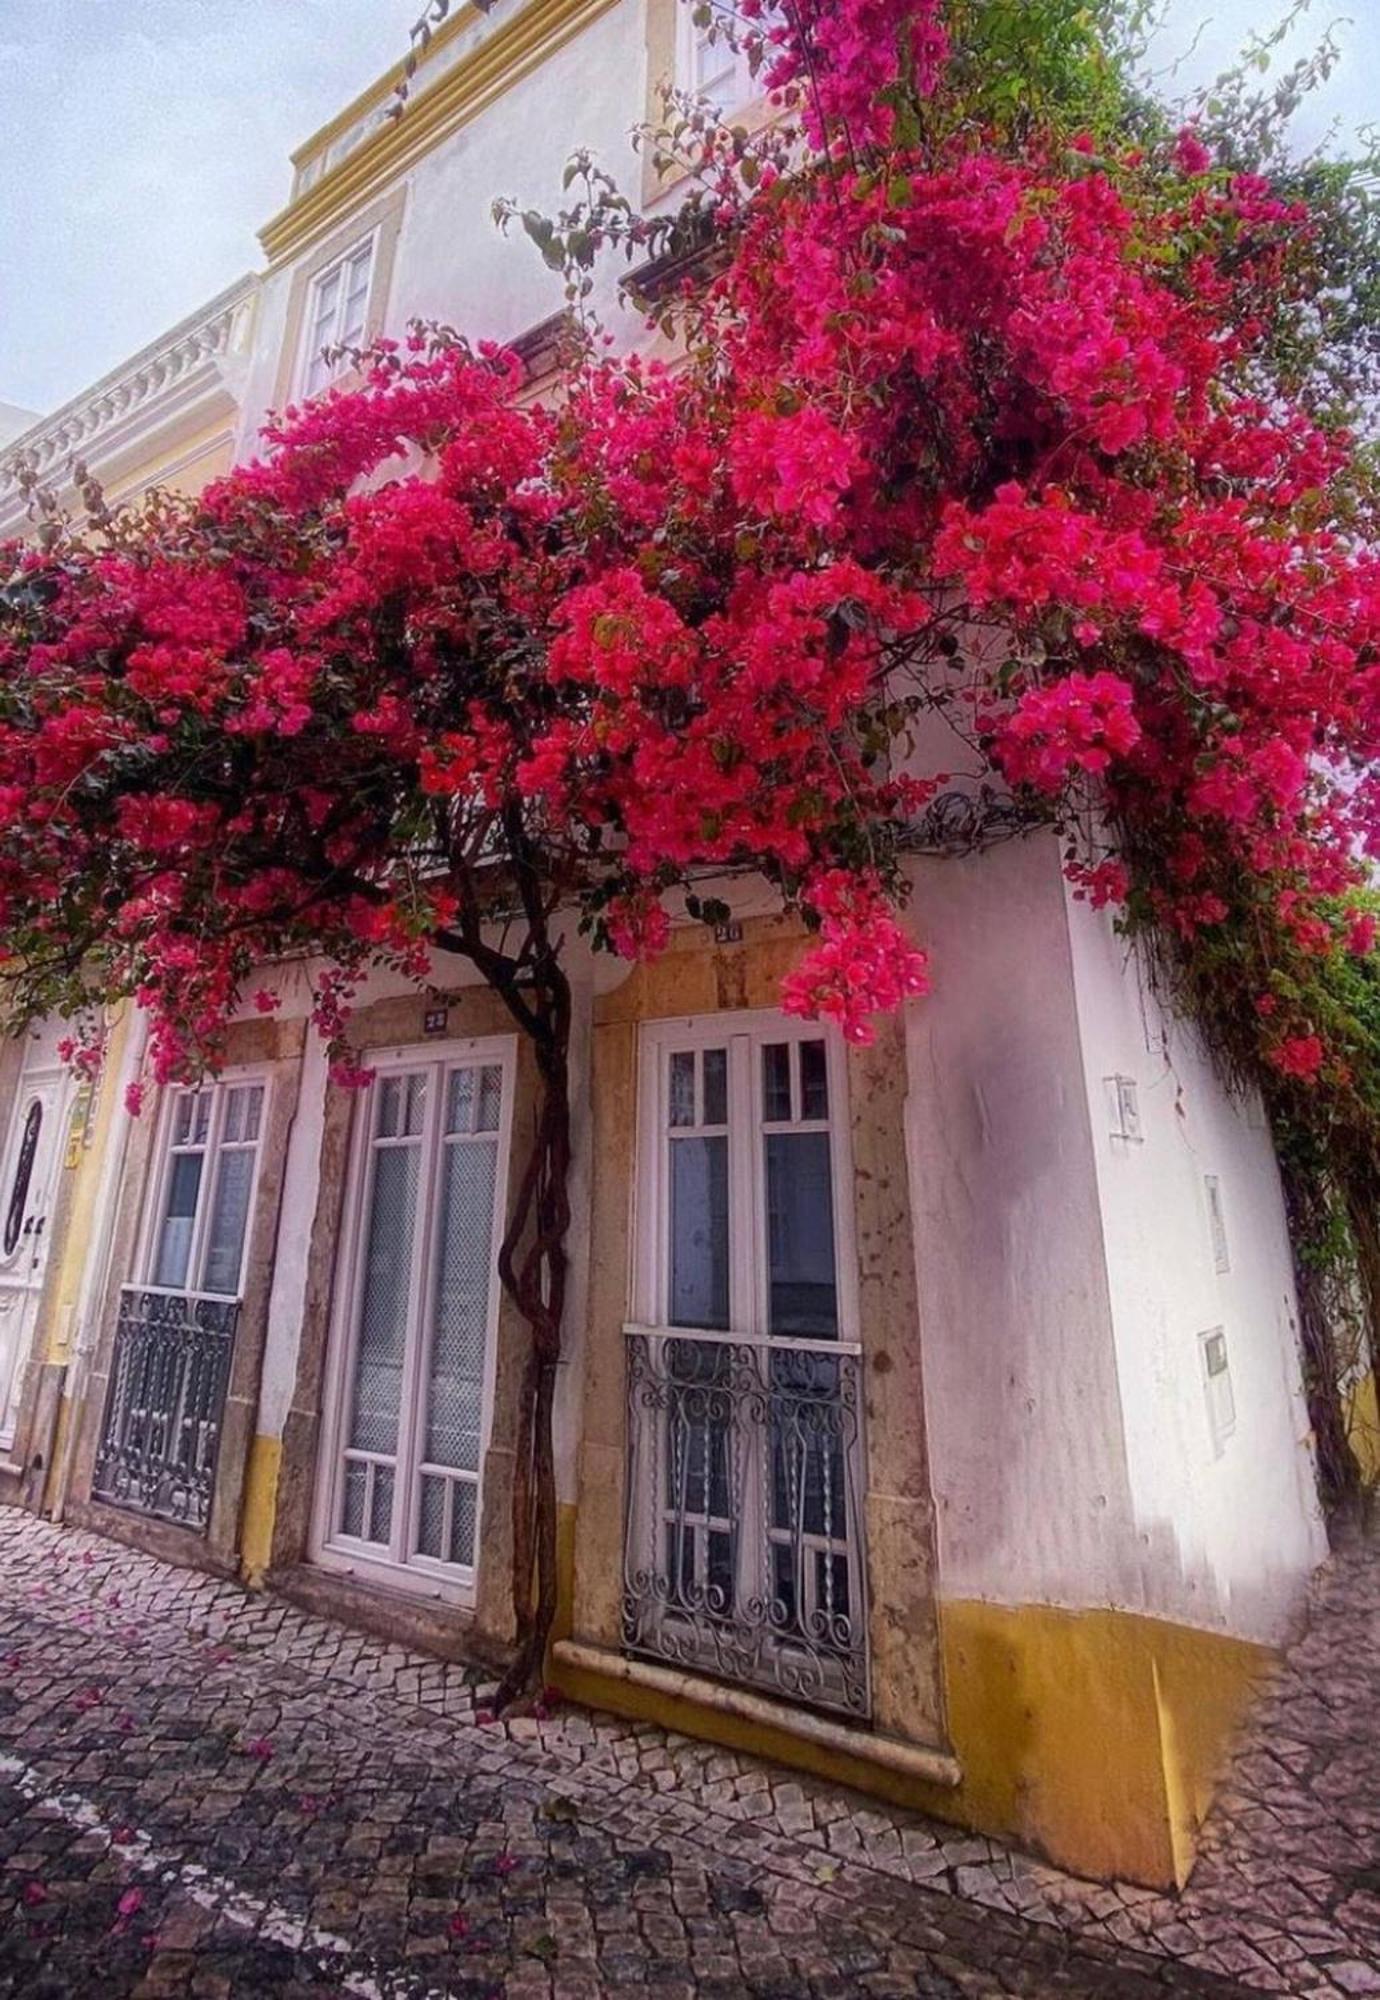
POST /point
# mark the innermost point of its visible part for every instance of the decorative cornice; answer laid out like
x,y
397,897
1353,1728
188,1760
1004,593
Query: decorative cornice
x,y
471,83
162,381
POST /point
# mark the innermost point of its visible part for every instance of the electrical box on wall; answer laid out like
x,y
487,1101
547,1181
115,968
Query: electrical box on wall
x,y
1123,1108
1221,1400
1217,1223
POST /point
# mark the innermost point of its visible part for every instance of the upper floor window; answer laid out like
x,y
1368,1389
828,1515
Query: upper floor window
x,y
708,65
205,1188
337,312
741,1153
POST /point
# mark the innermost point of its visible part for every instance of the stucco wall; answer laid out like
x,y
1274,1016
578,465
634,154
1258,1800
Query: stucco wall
x,y
1066,1276
1031,1493
451,262
1226,1529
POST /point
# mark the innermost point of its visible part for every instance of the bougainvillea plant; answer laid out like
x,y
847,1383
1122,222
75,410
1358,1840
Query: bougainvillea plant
x,y
965,430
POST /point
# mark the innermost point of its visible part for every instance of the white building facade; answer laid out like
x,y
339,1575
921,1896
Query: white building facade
x,y
930,1415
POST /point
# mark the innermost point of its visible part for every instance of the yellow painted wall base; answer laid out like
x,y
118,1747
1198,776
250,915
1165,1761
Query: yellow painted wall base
x,y
1363,1429
260,1505
1093,1737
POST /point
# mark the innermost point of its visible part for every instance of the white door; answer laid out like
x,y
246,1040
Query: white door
x,y
413,1346
28,1191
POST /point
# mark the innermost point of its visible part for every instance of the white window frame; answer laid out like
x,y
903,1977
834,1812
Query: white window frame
x,y
151,1227
745,1035
417,1574
310,357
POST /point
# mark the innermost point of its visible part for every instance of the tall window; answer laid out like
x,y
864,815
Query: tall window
x,y
415,1336
205,1188
744,1550
337,312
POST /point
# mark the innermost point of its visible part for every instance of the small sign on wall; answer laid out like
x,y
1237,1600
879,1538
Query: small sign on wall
x,y
435,1020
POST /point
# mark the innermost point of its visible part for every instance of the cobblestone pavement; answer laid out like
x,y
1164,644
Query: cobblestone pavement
x,y
208,1792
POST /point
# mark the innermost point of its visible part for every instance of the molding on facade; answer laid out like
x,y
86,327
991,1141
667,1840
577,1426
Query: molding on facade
x,y
473,81
190,374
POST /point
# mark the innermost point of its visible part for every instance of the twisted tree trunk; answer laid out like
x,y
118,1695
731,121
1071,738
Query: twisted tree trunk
x,y
533,1264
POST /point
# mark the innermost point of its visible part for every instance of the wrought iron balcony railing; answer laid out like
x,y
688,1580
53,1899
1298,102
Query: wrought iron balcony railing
x,y
168,1377
744,1551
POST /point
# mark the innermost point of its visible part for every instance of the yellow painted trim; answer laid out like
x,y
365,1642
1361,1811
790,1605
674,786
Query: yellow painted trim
x,y
476,81
1093,1737
260,1507
383,87
1363,1429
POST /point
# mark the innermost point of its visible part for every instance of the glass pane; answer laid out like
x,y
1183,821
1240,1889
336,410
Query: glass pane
x,y
416,1104
384,1307
352,1498
464,1509
229,1214
387,1121
814,1081
243,1106
182,1119
800,1235
23,1175
381,1508
431,1517
327,292
776,1082
699,1233
490,1098
464,1273
460,1101
683,1087
715,1087
175,1237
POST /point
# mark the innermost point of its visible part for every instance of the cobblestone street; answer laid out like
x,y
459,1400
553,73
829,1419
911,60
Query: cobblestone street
x,y
210,1793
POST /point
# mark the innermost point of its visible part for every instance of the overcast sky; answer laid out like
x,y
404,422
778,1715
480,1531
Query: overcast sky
x,y
143,142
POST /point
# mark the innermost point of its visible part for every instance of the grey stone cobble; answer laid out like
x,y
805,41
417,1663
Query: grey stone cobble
x,y
208,1792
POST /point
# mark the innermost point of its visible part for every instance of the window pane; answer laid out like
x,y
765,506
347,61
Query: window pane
x,y
390,1097
175,1237
814,1081
699,1233
327,292
776,1082
381,1507
383,1314
464,1273
464,1508
431,1517
490,1098
352,1498
229,1214
800,1234
715,1087
460,1101
243,1105
683,1087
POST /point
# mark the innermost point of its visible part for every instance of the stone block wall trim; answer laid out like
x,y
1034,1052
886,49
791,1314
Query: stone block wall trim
x,y
912,1760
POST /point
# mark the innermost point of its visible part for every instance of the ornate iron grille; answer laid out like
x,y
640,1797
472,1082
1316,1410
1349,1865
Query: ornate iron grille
x,y
744,1554
163,1413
